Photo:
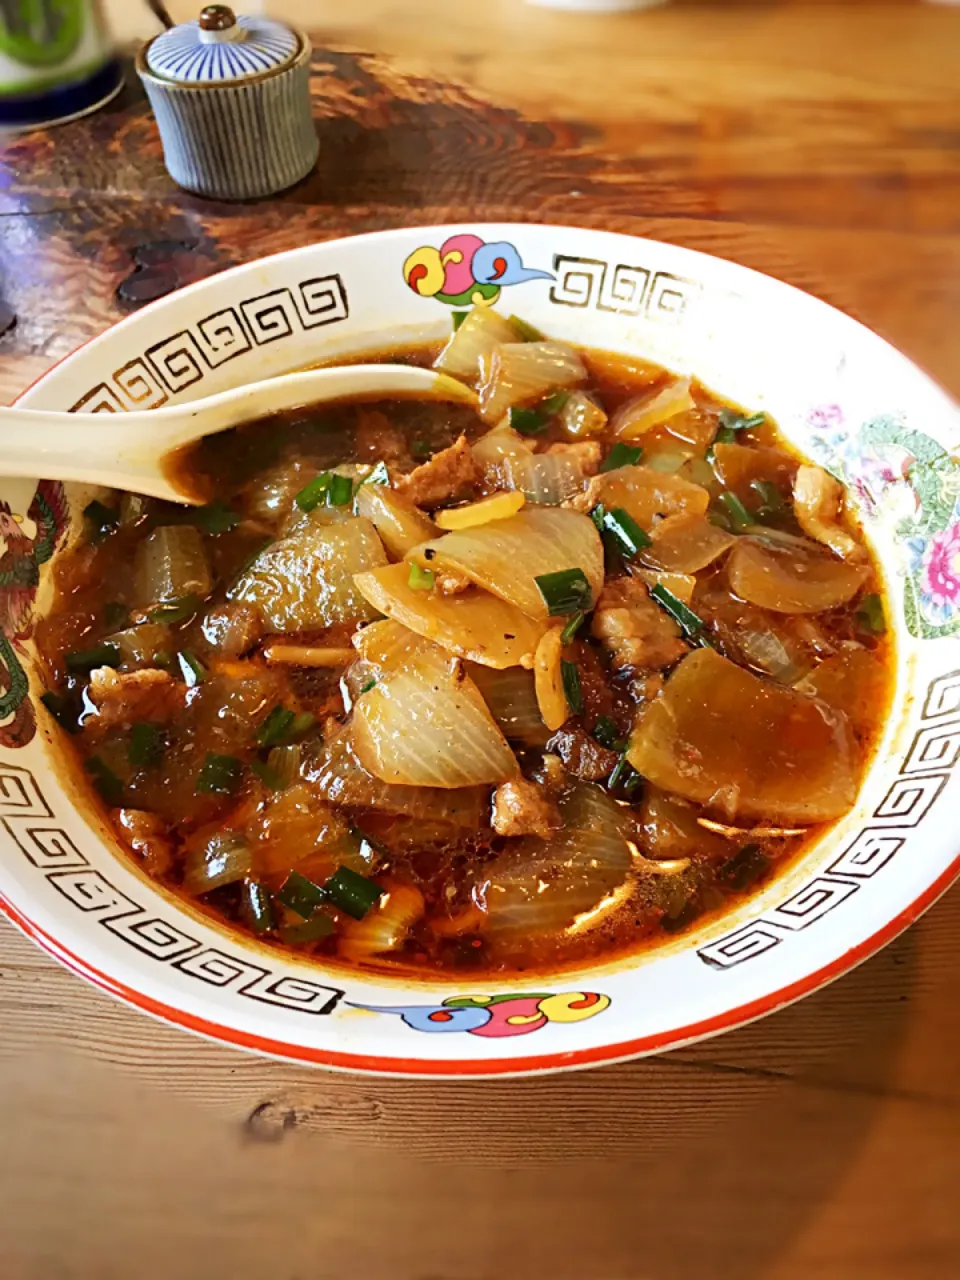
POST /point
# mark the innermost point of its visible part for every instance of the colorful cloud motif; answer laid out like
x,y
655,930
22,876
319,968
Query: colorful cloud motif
x,y
466,270
497,1016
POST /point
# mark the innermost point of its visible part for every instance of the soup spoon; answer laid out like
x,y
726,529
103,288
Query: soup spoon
x,y
139,451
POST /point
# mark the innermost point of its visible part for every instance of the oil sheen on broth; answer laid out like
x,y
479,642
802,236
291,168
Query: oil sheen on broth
x,y
501,689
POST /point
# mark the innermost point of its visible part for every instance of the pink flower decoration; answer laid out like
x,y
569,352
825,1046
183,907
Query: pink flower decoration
x,y
941,568
826,417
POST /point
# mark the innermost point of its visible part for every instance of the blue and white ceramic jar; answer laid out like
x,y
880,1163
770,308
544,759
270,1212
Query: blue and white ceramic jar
x,y
232,100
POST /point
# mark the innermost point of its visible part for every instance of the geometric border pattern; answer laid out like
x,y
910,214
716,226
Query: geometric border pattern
x,y
171,365
28,819
932,754
621,288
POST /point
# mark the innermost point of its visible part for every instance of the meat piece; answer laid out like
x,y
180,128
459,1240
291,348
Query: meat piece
x,y
232,629
128,697
634,628
443,478
552,775
818,504
586,453
521,809
585,502
146,835
583,755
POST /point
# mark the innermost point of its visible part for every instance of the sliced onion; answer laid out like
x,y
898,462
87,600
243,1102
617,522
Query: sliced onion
x,y
400,524
284,765
171,563
507,556
521,373
426,725
542,886
671,829
548,679
270,495
480,334
818,503
294,826
385,927
646,411
499,506
231,629
545,478
582,417
216,859
512,699
647,494
739,465
305,581
474,624
685,544
788,582
386,644
722,737
855,681
306,655
681,585
498,445
143,646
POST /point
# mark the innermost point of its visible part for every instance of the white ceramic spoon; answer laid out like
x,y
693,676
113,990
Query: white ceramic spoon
x,y
137,451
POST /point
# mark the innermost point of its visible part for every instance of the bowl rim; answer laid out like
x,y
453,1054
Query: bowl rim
x,y
423,1067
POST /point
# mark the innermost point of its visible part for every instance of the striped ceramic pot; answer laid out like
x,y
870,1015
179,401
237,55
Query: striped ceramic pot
x,y
232,100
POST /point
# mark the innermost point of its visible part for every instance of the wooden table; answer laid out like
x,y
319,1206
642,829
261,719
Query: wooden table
x,y
817,142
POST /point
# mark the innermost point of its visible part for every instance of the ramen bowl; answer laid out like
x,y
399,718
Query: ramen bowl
x,y
840,394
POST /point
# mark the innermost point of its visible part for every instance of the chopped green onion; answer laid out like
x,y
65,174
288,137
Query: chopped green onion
x,y
555,403
379,474
268,775
771,499
420,449
598,514
303,722
458,318
257,907
527,331
725,435
352,893
104,519
145,747
567,591
719,518
215,517
623,776
420,579
61,710
329,487
176,610
220,775
163,658
572,627
368,685
740,518
733,421
608,735
105,780
83,660
340,490
194,672
690,624
312,930
622,455
871,616
570,675
745,867
633,782
276,726
115,615
300,895
629,537
529,422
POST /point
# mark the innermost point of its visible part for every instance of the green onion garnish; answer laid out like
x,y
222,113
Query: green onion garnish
x,y
690,624
145,747
871,616
458,318
572,627
624,775
529,422
176,610
420,579
598,514
274,729
556,403
83,660
300,895
526,331
340,491
745,867
379,474
629,537
567,591
115,615
352,893
733,421
220,775
303,722
725,435
269,776
105,780
607,734
740,518
570,675
257,907
61,710
368,685
771,499
104,519
314,493
194,672
312,930
215,517
622,455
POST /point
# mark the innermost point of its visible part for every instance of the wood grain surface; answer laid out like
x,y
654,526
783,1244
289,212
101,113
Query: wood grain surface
x,y
818,142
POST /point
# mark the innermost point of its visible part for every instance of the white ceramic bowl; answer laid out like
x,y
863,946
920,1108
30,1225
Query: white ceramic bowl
x,y
841,394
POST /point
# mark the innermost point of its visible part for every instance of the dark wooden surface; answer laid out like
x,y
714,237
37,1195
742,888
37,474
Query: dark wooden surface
x,y
818,142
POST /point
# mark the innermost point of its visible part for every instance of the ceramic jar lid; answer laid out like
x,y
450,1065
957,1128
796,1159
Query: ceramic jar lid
x,y
222,48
